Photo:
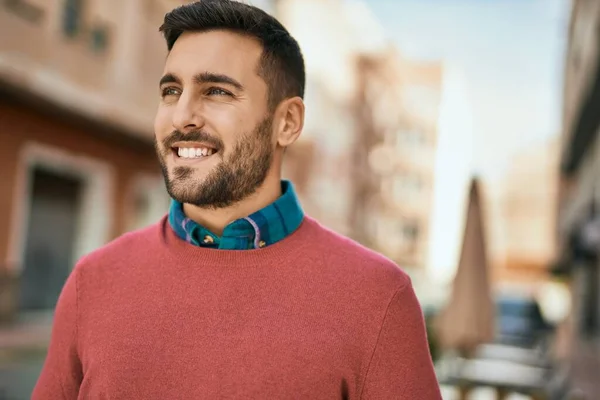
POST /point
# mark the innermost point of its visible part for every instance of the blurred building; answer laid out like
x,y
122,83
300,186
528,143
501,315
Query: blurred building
x,y
321,163
78,91
364,163
579,204
398,131
528,201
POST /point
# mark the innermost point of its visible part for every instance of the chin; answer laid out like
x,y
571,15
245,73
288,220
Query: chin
x,y
187,178
195,172
183,192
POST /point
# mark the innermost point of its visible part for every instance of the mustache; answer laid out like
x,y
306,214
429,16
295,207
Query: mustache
x,y
192,136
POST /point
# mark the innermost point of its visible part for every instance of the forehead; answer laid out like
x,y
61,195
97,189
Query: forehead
x,y
215,51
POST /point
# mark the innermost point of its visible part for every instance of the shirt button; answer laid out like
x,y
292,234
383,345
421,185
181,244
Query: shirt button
x,y
262,244
208,239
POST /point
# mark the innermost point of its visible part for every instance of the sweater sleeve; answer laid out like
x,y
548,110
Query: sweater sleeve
x,y
62,373
401,367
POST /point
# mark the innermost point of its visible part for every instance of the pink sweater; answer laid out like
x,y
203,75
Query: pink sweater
x,y
315,316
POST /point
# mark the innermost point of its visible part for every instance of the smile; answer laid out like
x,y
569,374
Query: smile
x,y
192,151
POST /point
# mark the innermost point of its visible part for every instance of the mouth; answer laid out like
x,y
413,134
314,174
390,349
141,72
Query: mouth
x,y
193,151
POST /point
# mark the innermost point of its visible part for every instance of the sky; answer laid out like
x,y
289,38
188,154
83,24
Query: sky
x,y
509,51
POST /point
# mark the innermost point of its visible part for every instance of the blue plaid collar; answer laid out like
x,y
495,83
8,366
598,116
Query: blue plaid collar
x,y
262,228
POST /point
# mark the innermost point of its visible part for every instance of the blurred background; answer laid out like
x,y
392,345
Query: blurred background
x,y
457,137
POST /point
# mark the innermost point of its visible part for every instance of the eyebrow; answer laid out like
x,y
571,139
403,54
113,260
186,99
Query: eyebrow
x,y
169,78
204,77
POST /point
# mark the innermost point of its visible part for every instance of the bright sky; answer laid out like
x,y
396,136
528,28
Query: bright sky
x,y
511,53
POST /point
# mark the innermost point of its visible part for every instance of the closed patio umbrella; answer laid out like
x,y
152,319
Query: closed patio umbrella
x,y
467,321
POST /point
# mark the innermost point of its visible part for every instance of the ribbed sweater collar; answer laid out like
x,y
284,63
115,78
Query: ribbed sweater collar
x,y
186,253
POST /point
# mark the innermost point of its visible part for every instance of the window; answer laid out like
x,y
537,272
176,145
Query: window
x,y
407,188
410,231
72,17
398,190
95,35
99,39
421,101
409,139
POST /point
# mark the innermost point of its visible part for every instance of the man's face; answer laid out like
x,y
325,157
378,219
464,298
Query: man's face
x,y
213,128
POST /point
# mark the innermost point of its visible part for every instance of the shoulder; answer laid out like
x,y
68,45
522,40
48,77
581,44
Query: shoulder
x,y
120,251
354,261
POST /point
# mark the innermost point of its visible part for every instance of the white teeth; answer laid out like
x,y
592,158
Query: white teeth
x,y
194,152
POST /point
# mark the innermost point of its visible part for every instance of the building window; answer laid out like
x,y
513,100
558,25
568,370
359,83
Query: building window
x,y
399,189
99,38
410,231
421,101
407,188
410,139
73,17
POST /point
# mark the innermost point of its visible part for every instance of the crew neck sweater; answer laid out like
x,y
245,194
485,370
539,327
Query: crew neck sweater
x,y
313,316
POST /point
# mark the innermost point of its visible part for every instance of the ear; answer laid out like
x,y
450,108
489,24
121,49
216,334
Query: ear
x,y
290,117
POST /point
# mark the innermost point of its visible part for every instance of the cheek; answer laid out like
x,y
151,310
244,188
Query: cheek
x,y
223,118
229,126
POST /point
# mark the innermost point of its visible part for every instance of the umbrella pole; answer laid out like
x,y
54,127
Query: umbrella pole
x,y
463,391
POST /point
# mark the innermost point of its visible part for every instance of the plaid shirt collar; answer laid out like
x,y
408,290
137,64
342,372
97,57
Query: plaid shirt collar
x,y
262,228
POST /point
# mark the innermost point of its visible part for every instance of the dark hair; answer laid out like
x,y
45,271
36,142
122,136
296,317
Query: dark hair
x,y
281,65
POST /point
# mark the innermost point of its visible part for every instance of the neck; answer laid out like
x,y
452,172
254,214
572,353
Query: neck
x,y
216,219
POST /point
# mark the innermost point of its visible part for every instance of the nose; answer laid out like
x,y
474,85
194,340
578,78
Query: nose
x,y
187,115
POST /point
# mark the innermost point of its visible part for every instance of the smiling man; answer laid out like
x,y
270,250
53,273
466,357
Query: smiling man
x,y
235,294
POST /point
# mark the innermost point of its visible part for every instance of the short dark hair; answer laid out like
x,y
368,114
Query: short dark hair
x,y
281,65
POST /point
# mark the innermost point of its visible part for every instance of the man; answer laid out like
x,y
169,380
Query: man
x,y
235,294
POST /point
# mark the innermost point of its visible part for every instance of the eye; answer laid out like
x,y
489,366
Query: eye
x,y
215,91
170,91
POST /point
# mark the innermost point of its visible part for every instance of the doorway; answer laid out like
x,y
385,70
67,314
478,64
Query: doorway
x,y
51,235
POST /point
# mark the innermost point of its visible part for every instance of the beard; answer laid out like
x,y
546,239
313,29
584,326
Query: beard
x,y
235,178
